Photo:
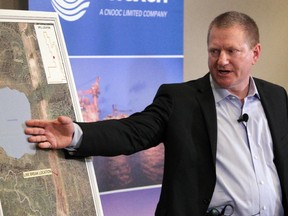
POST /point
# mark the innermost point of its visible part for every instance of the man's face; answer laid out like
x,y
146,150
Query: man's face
x,y
230,58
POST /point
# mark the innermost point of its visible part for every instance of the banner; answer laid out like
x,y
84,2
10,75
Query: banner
x,y
120,52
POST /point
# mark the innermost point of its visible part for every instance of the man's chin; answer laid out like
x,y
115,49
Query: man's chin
x,y
223,82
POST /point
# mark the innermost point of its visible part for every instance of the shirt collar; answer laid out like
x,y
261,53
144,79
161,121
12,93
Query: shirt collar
x,y
221,93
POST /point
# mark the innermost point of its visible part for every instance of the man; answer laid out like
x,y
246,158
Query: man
x,y
225,134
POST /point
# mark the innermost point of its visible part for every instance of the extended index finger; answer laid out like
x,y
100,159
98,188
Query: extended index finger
x,y
36,123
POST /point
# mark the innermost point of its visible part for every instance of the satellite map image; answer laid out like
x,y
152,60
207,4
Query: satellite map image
x,y
34,84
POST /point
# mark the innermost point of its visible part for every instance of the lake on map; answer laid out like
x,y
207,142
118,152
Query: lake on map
x,y
14,111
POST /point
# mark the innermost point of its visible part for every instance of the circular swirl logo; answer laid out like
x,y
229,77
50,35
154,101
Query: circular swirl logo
x,y
70,10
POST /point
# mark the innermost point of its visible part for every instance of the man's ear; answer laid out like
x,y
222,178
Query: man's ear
x,y
256,53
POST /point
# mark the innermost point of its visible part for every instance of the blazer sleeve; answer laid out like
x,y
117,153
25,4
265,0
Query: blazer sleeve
x,y
139,131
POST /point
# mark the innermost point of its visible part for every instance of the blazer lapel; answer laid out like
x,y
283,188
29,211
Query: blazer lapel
x,y
207,104
269,103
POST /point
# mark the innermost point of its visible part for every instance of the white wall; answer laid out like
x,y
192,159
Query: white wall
x,y
272,19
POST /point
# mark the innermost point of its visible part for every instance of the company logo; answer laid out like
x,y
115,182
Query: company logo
x,y
70,10
144,1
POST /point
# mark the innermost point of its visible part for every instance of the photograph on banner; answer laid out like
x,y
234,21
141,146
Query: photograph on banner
x,y
105,27
113,88
142,200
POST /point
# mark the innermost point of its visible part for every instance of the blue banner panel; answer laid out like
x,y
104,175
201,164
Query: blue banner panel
x,y
121,51
128,27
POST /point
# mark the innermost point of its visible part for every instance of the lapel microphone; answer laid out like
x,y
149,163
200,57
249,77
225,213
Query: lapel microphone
x,y
243,118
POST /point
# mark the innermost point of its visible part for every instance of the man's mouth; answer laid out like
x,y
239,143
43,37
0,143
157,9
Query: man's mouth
x,y
224,71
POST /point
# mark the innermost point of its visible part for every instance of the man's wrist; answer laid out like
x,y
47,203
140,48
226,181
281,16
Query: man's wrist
x,y
76,139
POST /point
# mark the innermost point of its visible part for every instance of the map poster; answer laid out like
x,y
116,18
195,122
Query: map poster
x,y
36,82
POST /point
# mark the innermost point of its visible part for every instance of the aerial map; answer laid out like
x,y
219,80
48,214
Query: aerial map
x,y
34,84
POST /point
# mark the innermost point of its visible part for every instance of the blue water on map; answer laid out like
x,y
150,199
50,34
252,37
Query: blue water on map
x,y
14,111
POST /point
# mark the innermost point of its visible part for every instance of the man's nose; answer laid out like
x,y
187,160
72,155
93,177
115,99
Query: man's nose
x,y
223,58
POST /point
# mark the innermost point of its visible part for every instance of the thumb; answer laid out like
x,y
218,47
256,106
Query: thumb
x,y
64,120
